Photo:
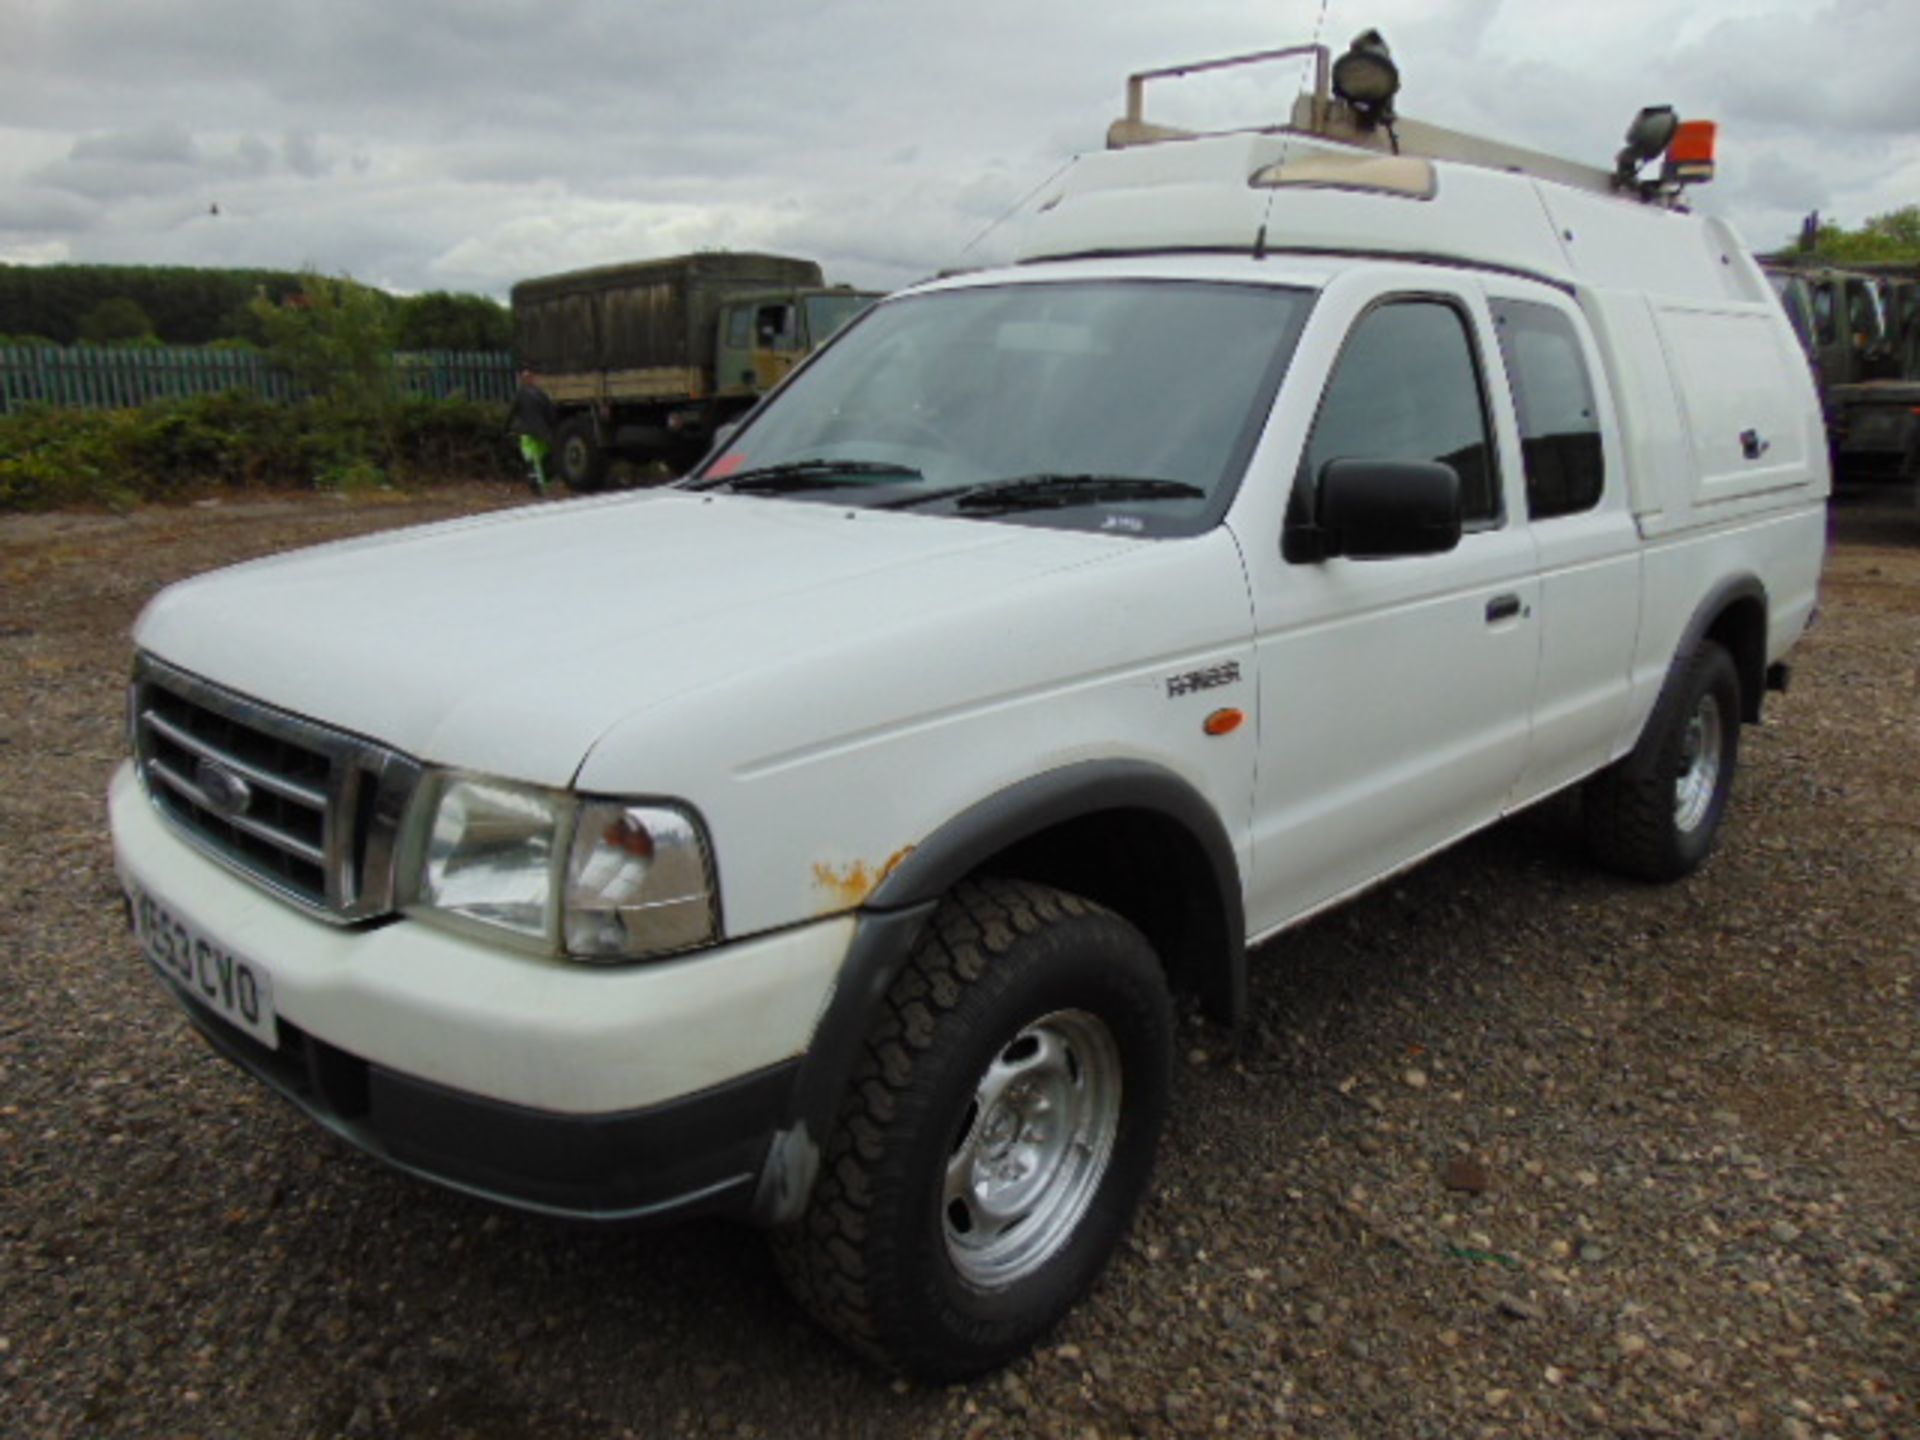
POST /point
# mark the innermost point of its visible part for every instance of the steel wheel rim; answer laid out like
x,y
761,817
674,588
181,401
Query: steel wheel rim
x,y
1700,756
1032,1148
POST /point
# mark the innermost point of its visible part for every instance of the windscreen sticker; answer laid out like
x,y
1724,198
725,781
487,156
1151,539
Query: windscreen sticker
x,y
726,465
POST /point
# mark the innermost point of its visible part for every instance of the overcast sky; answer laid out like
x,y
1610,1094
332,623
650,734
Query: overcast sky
x,y
465,144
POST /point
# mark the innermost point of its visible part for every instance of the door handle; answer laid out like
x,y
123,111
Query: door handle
x,y
1502,607
1753,444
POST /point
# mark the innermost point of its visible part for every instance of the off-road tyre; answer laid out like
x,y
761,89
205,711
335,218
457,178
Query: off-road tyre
x,y
872,1259
1636,822
578,457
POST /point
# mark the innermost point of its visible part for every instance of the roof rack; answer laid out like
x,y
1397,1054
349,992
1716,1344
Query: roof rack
x,y
1326,117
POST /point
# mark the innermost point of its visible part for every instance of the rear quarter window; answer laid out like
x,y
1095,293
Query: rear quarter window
x,y
1554,405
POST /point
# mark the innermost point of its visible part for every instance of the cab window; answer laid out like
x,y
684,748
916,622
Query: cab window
x,y
773,328
1863,314
1407,387
1553,402
1823,313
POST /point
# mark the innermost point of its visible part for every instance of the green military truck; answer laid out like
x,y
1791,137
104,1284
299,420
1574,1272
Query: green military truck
x,y
1877,418
1860,326
648,360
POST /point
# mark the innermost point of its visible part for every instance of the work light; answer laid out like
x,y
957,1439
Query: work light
x,y
1367,79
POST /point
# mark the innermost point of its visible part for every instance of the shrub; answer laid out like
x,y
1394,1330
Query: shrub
x,y
437,439
52,458
231,439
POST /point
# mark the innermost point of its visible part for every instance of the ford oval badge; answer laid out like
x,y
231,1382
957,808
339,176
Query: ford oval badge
x,y
226,792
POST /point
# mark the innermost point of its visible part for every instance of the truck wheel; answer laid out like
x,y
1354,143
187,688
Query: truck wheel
x,y
1655,812
997,1134
580,460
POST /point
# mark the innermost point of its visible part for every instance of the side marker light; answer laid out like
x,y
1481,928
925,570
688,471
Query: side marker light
x,y
1224,722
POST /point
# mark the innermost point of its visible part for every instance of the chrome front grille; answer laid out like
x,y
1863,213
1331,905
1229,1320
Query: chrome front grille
x,y
313,814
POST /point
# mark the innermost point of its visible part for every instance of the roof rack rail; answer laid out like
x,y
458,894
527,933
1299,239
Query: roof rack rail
x,y
1326,117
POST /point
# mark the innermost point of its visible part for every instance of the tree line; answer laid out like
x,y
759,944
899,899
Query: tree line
x,y
349,428
1892,238
183,305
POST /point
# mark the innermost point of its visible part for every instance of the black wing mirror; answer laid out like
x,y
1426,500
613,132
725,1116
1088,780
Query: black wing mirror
x,y
1377,510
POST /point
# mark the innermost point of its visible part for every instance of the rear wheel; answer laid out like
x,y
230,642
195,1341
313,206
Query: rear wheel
x,y
1656,812
578,457
997,1136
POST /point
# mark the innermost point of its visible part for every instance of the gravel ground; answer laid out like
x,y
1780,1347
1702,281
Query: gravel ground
x,y
1510,1147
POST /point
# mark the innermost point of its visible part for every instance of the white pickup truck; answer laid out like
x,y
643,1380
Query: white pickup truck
x,y
820,841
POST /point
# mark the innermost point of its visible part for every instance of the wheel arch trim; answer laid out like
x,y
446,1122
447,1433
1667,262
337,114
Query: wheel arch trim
x,y
1736,591
1729,592
1025,809
896,913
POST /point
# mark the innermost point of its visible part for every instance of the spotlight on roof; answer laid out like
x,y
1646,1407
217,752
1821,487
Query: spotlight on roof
x,y
1367,79
1648,136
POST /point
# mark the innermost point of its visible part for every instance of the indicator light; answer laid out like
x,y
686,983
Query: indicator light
x,y
1224,722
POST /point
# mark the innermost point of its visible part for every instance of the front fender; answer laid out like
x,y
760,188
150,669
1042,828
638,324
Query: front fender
x,y
896,913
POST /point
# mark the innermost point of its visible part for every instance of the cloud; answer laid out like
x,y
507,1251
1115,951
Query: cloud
x,y
34,252
158,160
163,144
1847,69
32,210
302,153
252,155
468,143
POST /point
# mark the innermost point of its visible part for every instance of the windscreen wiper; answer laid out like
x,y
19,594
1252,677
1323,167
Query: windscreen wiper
x,y
801,475
1046,491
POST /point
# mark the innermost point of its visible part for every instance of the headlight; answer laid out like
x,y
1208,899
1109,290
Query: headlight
x,y
487,854
597,879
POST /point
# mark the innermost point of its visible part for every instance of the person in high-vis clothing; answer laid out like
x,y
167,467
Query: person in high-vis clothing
x,y
533,416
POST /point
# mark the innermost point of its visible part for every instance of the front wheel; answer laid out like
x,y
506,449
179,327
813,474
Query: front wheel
x,y
998,1133
1656,812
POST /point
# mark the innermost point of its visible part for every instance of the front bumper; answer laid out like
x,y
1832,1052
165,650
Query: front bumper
x,y
701,1154
1879,436
607,1093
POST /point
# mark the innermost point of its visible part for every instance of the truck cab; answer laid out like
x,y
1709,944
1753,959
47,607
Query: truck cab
x,y
1860,327
763,335
1876,419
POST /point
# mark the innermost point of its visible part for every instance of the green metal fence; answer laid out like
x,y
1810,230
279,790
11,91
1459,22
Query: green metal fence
x,y
113,377
462,374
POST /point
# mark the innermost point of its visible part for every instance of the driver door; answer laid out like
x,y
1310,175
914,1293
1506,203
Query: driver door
x,y
1394,693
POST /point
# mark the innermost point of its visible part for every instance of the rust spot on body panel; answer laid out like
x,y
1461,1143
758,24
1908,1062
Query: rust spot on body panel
x,y
847,886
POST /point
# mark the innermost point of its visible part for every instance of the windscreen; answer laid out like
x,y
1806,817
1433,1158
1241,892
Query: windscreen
x,y
827,313
1127,406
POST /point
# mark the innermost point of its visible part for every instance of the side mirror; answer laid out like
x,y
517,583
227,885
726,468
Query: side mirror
x,y
1378,510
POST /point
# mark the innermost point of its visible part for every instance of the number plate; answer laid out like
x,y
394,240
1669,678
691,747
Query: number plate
x,y
236,989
